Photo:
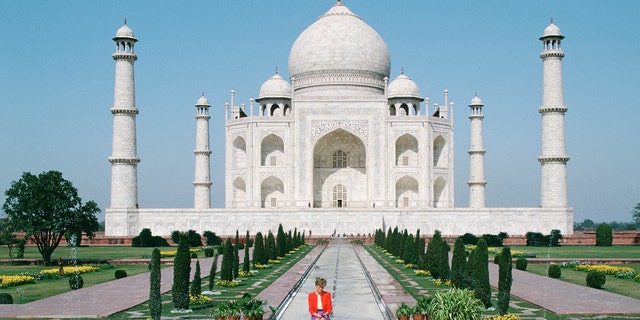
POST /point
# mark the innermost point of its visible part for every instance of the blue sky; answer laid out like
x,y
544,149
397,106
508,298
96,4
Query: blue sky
x,y
56,87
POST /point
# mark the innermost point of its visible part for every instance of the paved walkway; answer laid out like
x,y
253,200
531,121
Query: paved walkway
x,y
105,299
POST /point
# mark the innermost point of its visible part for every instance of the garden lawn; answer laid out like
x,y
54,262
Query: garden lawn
x,y
419,286
581,252
92,252
251,285
625,287
49,287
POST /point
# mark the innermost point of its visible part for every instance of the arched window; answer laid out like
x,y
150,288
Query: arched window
x,y
339,159
339,196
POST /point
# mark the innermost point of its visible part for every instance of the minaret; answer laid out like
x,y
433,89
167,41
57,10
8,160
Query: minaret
x,y
202,181
124,159
553,158
476,153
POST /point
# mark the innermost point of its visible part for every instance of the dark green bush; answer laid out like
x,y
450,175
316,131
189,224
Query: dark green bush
x,y
240,246
194,255
76,282
496,258
220,249
492,240
208,252
6,298
554,271
469,238
521,264
604,235
537,239
120,274
595,279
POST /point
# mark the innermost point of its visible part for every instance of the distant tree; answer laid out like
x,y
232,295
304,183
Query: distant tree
x,y
554,237
181,272
194,239
236,256
458,264
155,297
469,238
212,238
586,224
212,271
636,214
418,248
8,239
46,207
505,279
196,284
604,235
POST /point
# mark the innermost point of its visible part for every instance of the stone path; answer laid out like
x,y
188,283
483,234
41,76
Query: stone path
x,y
105,299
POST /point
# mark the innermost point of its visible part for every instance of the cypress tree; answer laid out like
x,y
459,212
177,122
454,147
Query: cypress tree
x,y
258,249
226,271
245,266
181,271
236,260
416,248
270,247
505,279
443,256
408,250
212,271
387,240
196,284
155,298
482,287
432,256
458,264
281,245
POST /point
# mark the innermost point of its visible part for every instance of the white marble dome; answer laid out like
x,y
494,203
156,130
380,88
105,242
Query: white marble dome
x,y
124,32
202,101
275,87
552,31
403,87
476,101
339,45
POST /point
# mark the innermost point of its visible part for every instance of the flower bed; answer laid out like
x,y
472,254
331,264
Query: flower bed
x,y
227,283
12,281
69,270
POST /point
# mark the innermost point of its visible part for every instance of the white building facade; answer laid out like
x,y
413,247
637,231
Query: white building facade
x,y
341,148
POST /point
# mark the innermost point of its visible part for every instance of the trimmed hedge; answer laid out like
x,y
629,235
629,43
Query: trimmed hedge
x,y
554,271
76,282
521,264
119,274
595,279
6,298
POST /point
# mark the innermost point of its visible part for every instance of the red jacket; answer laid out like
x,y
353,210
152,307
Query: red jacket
x,y
326,302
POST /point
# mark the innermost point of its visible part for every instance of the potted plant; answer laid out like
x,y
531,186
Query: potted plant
x,y
253,309
404,311
421,309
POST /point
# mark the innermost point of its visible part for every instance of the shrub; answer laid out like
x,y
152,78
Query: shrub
x,y
120,274
194,255
76,282
492,240
521,264
604,235
240,246
208,252
212,238
6,298
537,239
455,304
554,271
596,279
469,238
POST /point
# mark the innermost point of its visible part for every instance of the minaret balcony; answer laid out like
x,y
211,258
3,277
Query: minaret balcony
x,y
124,56
544,160
124,161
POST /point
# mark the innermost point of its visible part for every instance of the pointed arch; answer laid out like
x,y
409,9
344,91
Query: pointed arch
x,y
439,194
272,151
272,192
407,151
440,155
407,195
239,154
239,192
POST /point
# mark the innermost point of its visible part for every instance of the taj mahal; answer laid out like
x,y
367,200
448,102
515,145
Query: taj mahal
x,y
339,147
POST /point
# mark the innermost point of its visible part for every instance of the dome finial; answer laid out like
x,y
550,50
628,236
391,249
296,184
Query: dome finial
x,y
276,69
402,70
125,20
339,3
551,19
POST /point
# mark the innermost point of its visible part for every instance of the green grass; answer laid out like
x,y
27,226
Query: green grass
x,y
581,252
50,287
417,286
625,287
93,252
250,285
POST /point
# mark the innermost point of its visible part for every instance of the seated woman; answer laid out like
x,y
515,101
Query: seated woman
x,y
320,301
